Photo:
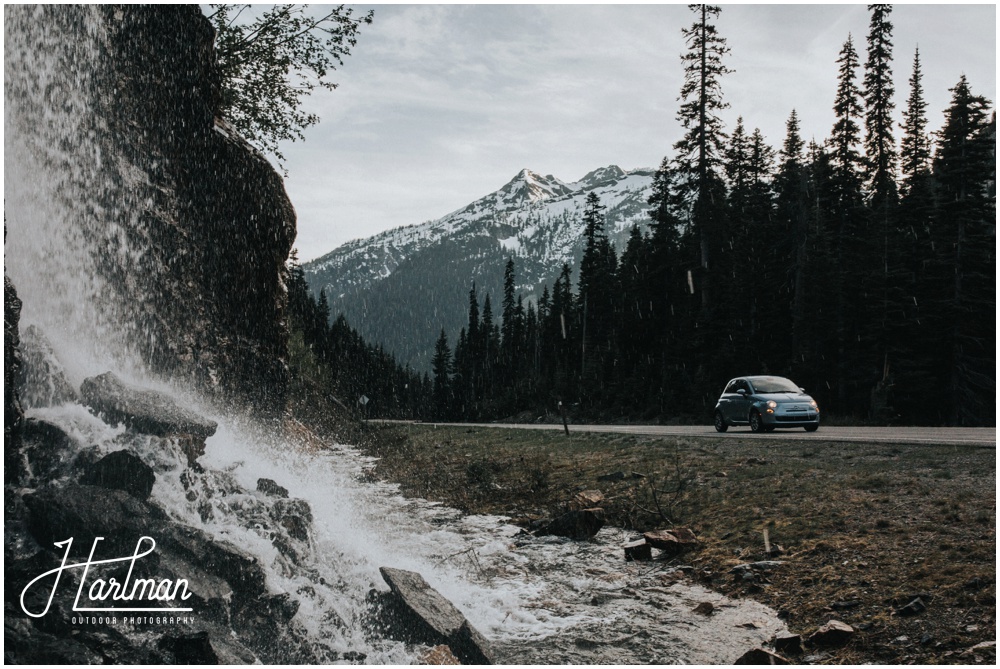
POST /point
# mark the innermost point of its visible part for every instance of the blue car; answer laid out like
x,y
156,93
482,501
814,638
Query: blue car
x,y
764,403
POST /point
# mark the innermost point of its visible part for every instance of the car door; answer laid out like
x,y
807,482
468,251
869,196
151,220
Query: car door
x,y
740,406
726,401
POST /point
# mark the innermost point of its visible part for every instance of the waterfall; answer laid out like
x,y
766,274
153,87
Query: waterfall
x,y
80,203
68,193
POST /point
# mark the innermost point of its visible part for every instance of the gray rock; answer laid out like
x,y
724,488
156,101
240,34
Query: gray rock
x,y
674,541
845,605
271,489
141,410
294,515
436,619
638,550
833,633
911,608
581,524
190,648
121,470
48,452
85,512
786,642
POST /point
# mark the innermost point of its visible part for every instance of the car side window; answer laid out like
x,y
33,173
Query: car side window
x,y
733,385
744,385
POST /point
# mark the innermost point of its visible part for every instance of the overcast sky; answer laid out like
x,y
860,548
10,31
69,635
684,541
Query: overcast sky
x,y
441,104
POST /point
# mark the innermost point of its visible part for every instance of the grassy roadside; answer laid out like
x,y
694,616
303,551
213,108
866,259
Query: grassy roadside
x,y
862,526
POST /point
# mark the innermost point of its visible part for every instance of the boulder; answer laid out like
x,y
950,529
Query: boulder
x,y
581,524
428,616
242,572
44,382
673,541
48,452
833,633
759,656
24,644
85,512
786,642
586,499
142,410
121,470
271,489
190,648
294,515
638,551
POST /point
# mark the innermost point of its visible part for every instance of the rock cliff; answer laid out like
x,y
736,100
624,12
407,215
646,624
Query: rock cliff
x,y
184,228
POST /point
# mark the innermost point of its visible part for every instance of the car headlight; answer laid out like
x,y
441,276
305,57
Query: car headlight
x,y
772,404
814,405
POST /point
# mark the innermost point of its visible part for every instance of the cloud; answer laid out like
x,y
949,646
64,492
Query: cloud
x,y
441,104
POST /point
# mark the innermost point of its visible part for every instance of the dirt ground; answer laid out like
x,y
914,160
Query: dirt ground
x,y
861,531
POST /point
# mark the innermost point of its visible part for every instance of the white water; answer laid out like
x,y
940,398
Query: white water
x,y
70,195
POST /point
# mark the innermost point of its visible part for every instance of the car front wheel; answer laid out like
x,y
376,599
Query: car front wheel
x,y
756,422
720,423
812,428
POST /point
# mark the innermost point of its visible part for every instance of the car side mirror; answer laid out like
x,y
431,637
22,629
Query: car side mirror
x,y
741,391
802,390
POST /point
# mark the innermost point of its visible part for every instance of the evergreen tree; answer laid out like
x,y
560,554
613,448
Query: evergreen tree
x,y
847,163
699,192
441,366
508,319
964,235
914,148
489,353
749,164
596,296
914,338
784,269
879,89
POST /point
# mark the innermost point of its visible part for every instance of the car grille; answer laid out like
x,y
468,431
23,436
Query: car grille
x,y
796,417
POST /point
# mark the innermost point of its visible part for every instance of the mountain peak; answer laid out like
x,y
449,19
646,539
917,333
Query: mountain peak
x,y
528,186
602,176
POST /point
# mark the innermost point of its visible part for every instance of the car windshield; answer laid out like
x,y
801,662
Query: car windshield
x,y
773,384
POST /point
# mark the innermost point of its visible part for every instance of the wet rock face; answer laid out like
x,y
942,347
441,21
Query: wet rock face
x,y
417,612
121,470
142,410
178,229
44,382
222,234
13,415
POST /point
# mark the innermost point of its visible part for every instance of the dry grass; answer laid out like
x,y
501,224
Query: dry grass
x,y
864,523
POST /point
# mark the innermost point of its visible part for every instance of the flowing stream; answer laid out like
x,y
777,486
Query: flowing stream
x,y
539,600
71,194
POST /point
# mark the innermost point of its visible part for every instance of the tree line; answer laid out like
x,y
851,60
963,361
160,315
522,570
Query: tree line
x,y
333,360
864,272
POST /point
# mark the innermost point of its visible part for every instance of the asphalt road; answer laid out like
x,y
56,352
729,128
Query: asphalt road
x,y
967,436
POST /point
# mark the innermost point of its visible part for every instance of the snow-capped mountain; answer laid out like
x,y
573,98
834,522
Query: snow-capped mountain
x,y
400,287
